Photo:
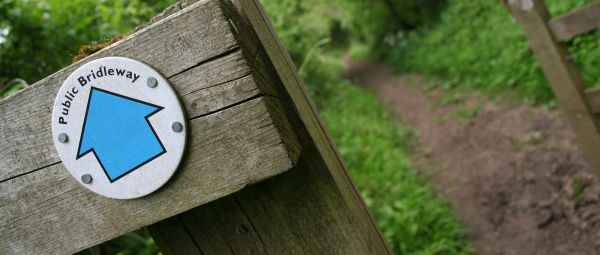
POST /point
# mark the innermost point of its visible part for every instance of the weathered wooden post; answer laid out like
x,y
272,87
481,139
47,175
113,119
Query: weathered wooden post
x,y
260,174
544,34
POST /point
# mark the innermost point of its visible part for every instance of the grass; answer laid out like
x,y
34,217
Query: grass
x,y
377,152
375,148
477,44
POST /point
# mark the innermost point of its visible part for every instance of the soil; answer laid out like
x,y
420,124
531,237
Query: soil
x,y
513,174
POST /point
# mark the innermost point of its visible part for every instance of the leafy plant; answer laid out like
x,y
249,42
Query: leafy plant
x,y
376,150
478,44
39,37
413,218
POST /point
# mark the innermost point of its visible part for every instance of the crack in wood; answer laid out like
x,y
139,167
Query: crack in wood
x,y
265,248
208,60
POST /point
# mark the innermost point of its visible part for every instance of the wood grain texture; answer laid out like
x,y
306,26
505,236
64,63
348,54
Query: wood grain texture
x,y
564,78
167,12
207,231
580,21
49,212
234,140
311,209
276,63
593,99
171,46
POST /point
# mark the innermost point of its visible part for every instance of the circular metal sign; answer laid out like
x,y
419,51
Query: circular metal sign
x,y
118,127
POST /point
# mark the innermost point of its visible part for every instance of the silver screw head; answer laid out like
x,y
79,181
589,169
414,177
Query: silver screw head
x,y
63,138
151,82
177,127
86,178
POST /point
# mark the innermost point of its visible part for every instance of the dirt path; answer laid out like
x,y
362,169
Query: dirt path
x,y
513,174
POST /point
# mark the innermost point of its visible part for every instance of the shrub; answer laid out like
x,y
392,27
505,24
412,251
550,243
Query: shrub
x,y
478,44
39,37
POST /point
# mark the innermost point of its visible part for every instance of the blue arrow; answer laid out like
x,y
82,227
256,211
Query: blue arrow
x,y
116,129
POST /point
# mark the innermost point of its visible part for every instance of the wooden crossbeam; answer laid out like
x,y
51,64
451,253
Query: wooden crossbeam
x,y
577,22
593,99
312,209
563,76
235,140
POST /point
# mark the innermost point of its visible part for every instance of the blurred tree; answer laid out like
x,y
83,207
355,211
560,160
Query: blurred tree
x,y
303,23
371,21
37,37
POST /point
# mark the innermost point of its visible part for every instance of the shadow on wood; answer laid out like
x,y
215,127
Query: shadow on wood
x,y
261,174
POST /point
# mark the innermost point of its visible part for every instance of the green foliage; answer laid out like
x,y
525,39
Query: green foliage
x,y
301,23
137,242
477,43
584,50
39,37
412,217
373,146
376,150
372,21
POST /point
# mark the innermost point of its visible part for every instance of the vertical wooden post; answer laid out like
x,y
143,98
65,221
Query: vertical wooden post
x,y
565,79
260,176
312,209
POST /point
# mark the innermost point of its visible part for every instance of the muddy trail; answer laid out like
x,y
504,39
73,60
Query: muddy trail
x,y
513,174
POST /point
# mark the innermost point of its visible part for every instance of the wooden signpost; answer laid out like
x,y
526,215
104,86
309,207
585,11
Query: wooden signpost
x,y
260,174
545,34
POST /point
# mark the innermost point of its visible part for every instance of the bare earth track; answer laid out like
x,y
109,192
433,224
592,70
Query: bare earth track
x,y
513,174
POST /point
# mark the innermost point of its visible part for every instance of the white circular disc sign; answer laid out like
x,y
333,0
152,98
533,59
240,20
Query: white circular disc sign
x,y
118,127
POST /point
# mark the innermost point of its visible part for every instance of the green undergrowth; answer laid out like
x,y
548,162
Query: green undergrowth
x,y
376,150
477,44
39,37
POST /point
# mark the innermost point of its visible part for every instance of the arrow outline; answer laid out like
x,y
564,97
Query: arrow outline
x,y
80,155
